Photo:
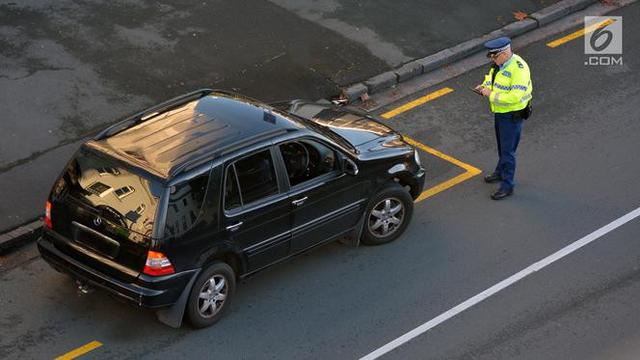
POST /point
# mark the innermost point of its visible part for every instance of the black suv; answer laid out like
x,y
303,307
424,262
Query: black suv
x,y
167,208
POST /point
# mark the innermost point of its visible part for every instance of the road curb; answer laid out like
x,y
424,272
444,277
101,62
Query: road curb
x,y
19,236
559,10
435,61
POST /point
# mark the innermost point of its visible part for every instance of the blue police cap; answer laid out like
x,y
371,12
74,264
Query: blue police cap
x,y
498,45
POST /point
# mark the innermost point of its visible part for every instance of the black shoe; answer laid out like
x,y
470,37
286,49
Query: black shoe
x,y
493,178
501,194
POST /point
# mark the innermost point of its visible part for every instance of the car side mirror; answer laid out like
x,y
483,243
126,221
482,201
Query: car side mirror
x,y
350,167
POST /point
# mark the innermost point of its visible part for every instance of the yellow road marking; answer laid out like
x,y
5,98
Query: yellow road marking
x,y
579,33
417,102
80,351
470,171
441,155
447,184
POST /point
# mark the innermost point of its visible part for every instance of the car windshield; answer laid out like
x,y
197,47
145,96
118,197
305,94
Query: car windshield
x,y
326,131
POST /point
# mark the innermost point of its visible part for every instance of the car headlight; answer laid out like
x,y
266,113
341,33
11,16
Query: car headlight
x,y
416,156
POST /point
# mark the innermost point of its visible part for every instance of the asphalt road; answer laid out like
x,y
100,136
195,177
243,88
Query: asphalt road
x,y
577,172
68,68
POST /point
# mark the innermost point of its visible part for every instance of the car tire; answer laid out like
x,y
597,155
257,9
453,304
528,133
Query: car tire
x,y
387,216
211,295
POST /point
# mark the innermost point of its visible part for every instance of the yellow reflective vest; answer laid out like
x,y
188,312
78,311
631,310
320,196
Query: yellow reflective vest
x,y
512,88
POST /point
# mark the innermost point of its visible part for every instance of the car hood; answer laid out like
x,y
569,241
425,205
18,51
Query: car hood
x,y
359,128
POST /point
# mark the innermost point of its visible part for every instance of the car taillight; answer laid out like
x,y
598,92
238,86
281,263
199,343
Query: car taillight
x,y
47,215
157,264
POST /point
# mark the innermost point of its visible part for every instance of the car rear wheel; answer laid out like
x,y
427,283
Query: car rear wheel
x,y
388,215
211,295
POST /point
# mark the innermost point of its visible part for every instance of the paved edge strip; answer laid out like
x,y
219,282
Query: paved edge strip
x,y
80,351
579,33
539,265
19,236
432,62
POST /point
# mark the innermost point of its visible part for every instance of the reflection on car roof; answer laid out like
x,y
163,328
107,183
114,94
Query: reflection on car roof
x,y
203,128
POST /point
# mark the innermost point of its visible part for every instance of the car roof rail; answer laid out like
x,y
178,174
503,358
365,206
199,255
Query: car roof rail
x,y
226,149
151,112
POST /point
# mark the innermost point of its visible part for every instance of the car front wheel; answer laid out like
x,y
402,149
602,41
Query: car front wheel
x,y
388,215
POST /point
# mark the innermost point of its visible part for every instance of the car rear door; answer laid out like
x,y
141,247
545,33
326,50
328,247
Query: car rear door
x,y
256,209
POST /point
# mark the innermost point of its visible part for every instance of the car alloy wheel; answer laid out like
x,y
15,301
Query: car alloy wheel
x,y
386,217
213,294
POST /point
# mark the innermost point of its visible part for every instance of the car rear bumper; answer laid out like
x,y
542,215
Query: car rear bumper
x,y
148,292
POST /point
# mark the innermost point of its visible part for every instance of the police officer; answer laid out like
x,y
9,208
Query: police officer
x,y
508,88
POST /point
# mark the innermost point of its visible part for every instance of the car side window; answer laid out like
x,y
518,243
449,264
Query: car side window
x,y
256,179
231,192
307,159
185,204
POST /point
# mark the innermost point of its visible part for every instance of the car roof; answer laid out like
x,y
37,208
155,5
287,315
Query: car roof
x,y
194,132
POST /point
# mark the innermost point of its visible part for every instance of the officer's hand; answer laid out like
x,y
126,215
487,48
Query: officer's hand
x,y
485,91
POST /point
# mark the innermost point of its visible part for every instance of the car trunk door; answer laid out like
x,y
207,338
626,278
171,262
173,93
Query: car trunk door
x,y
105,212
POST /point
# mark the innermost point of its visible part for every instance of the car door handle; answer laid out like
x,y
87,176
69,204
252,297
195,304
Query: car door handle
x,y
300,201
234,227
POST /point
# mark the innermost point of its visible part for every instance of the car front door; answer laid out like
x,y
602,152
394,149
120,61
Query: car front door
x,y
325,201
256,211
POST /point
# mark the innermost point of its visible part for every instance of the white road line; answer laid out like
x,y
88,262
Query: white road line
x,y
502,285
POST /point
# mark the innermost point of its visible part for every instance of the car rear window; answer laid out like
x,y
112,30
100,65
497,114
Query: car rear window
x,y
120,195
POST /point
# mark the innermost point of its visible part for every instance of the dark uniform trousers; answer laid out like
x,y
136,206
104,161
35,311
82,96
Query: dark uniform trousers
x,y
508,128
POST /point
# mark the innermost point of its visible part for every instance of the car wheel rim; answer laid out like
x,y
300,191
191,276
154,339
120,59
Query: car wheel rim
x,y
213,294
386,217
